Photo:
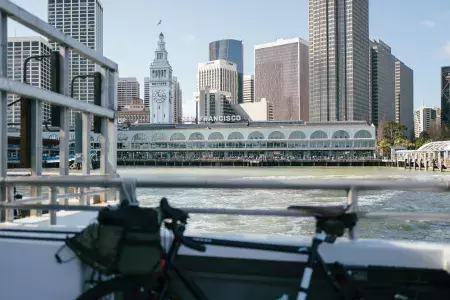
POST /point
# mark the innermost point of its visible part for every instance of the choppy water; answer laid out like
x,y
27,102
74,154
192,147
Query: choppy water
x,y
368,201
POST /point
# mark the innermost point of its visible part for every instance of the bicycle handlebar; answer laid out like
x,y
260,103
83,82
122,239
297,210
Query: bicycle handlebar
x,y
177,215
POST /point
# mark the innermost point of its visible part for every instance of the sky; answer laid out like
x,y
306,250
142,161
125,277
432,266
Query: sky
x,y
416,30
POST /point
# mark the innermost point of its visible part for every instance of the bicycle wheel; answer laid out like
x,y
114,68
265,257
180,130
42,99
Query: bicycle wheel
x,y
138,288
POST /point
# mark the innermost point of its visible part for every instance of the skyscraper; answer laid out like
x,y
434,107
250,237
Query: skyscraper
x,y
249,89
281,76
177,95
445,95
220,75
127,89
233,51
382,83
161,105
83,21
147,91
339,60
404,97
38,72
423,117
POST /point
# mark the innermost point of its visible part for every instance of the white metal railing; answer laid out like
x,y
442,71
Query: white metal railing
x,y
351,187
107,109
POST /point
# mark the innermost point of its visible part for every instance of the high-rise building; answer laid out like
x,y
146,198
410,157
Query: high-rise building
x,y
404,97
423,117
161,107
215,106
38,72
127,89
445,95
282,77
230,50
339,60
147,91
177,95
219,75
382,75
83,21
249,89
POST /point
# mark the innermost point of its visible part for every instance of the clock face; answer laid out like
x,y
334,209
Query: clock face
x,y
159,96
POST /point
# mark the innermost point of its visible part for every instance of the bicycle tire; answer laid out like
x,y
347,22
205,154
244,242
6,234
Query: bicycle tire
x,y
126,285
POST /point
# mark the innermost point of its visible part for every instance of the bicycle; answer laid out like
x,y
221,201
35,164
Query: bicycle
x,y
155,286
331,222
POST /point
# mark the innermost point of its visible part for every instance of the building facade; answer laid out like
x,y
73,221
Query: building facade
x,y
128,88
258,111
218,75
134,112
382,83
147,91
445,95
249,89
38,72
404,97
83,21
339,60
214,106
423,117
161,108
290,139
282,77
177,94
230,50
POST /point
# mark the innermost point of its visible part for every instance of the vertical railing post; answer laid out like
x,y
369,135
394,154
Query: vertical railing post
x,y
3,108
10,212
53,201
352,200
64,130
86,155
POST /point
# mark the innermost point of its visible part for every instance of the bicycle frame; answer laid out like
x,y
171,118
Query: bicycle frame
x,y
311,251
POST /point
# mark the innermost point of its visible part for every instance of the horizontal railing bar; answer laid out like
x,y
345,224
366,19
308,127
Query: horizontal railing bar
x,y
105,181
428,216
27,19
69,195
31,92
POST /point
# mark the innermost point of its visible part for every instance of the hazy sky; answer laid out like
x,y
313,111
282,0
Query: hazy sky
x,y
417,31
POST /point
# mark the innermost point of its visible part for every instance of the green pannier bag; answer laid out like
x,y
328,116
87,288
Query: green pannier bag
x,y
124,241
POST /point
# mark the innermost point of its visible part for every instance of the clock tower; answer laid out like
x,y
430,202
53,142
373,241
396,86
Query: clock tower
x,y
161,104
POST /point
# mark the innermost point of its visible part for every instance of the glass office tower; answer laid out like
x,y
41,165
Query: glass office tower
x,y
233,51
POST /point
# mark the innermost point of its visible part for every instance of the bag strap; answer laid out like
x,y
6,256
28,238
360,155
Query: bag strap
x,y
128,192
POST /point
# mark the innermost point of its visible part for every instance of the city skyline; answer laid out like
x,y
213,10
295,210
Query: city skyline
x,y
189,43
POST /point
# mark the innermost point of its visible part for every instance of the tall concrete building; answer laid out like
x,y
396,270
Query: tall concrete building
x,y
83,21
161,105
339,60
147,91
445,95
382,75
249,89
230,50
38,72
282,77
127,89
177,94
423,117
220,75
404,97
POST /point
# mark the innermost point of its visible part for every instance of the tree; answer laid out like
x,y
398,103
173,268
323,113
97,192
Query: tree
x,y
434,130
392,132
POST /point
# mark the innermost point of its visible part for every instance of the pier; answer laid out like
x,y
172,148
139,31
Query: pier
x,y
432,156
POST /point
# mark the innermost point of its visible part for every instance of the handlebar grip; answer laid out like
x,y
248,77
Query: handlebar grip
x,y
192,244
172,213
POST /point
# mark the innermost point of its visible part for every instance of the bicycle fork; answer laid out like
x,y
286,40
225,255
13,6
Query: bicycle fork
x,y
307,272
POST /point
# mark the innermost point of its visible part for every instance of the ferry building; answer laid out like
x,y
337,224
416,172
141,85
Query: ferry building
x,y
273,139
